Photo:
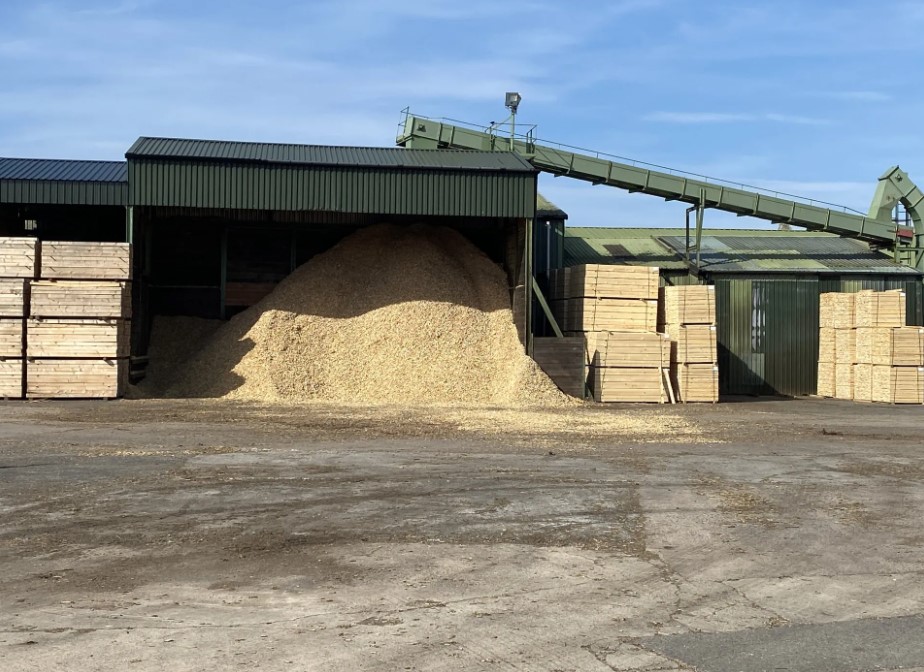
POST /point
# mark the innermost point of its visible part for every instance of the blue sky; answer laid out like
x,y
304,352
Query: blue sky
x,y
809,98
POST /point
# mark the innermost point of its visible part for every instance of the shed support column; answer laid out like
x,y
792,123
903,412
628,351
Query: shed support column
x,y
129,224
528,261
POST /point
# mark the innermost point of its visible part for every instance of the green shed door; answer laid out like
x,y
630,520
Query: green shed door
x,y
768,335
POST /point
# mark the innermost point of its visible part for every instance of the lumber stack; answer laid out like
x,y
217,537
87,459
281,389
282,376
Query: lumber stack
x,y
837,345
85,261
637,333
76,321
875,356
688,318
827,338
18,264
880,309
890,346
615,310
630,366
600,297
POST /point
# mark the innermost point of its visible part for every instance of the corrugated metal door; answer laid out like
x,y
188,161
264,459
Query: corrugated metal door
x,y
768,335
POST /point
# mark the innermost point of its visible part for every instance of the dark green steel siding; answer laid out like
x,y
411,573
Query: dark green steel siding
x,y
63,192
767,335
548,244
294,188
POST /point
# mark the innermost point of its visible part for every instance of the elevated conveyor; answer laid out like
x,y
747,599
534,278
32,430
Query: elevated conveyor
x,y
877,227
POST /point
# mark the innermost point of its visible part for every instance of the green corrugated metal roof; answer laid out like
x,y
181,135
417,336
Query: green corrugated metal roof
x,y
63,170
729,251
790,254
545,208
63,182
321,155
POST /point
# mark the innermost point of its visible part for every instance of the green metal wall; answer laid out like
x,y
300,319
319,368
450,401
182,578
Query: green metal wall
x,y
42,192
332,189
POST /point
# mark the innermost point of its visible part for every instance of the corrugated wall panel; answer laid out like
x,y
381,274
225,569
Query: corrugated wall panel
x,y
38,192
256,187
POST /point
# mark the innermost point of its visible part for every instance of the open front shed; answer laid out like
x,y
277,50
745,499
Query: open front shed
x,y
216,225
55,199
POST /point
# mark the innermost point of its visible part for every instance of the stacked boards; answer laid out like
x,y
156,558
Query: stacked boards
x,y
615,309
18,265
687,316
75,316
866,351
618,310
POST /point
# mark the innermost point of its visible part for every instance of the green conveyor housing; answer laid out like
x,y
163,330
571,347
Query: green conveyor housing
x,y
877,227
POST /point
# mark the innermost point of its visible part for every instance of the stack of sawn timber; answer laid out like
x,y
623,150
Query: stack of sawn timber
x,y
615,309
18,265
78,331
688,318
877,357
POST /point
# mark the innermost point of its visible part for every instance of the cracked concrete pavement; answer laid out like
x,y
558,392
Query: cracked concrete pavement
x,y
187,536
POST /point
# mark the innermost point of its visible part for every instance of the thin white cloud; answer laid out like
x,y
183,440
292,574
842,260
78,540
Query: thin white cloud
x,y
859,96
731,118
698,117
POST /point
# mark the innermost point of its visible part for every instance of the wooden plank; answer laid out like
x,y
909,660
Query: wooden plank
x,y
843,381
91,299
76,378
85,261
898,384
13,297
826,303
845,349
827,347
827,381
70,338
562,359
11,337
668,385
12,375
697,383
880,309
18,257
690,304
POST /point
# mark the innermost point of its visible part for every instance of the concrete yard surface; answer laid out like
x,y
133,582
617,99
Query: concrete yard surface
x,y
209,535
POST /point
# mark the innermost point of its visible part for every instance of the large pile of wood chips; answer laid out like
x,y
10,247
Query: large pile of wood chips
x,y
389,315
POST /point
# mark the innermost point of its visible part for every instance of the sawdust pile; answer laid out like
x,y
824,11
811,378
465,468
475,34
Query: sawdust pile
x,y
389,315
174,340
